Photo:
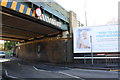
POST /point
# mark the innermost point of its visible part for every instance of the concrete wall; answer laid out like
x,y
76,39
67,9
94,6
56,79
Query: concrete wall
x,y
53,51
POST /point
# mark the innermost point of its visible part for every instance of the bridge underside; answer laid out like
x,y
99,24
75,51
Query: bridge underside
x,y
21,27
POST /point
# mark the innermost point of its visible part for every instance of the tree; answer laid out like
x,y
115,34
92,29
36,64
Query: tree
x,y
8,45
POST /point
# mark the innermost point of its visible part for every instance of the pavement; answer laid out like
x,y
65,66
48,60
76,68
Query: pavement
x,y
108,67
17,69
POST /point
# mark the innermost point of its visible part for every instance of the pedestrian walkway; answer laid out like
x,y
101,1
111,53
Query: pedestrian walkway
x,y
109,67
89,66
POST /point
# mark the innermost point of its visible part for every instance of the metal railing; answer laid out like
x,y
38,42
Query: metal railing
x,y
99,59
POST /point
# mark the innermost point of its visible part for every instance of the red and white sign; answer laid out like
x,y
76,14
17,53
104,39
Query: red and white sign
x,y
38,12
101,54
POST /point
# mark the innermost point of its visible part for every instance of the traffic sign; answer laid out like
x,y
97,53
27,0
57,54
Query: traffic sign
x,y
38,12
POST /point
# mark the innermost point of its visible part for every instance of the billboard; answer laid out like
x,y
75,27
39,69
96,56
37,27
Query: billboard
x,y
96,39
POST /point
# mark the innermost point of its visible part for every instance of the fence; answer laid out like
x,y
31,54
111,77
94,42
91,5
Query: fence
x,y
99,59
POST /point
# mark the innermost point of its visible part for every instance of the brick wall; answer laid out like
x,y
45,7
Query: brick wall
x,y
53,51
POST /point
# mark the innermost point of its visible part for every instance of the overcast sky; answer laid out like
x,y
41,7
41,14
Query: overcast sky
x,y
1,41
99,12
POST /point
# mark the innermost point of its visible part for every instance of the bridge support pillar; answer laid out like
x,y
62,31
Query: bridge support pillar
x,y
73,22
53,51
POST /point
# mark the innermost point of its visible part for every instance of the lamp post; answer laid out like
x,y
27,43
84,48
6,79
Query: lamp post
x,y
91,50
85,13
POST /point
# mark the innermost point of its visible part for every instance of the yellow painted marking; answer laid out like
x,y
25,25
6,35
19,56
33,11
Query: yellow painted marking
x,y
14,4
4,3
43,17
28,11
115,70
40,17
21,8
33,13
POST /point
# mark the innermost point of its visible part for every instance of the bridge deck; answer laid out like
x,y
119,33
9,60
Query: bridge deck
x,y
18,26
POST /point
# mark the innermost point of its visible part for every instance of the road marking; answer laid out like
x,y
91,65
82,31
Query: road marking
x,y
37,69
60,73
8,75
11,76
71,75
115,70
40,69
19,64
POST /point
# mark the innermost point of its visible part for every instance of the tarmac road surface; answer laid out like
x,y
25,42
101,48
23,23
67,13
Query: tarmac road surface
x,y
20,70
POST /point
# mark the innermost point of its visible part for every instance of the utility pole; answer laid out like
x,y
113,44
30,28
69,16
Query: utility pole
x,y
85,13
91,50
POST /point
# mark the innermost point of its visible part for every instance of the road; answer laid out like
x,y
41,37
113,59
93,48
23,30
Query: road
x,y
38,71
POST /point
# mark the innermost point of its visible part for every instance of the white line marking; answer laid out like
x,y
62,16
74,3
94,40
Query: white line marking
x,y
19,64
71,75
8,75
40,69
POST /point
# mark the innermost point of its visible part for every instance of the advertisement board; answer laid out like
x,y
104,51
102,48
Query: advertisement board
x,y
98,38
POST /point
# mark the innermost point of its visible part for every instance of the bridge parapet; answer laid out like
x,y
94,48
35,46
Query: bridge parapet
x,y
49,15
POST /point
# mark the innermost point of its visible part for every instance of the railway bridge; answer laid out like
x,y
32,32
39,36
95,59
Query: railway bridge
x,y
40,27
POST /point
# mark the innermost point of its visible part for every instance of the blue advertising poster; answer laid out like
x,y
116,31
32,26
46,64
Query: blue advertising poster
x,y
82,40
98,38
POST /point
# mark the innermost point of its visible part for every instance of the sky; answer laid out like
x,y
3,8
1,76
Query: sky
x,y
98,12
1,41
